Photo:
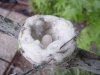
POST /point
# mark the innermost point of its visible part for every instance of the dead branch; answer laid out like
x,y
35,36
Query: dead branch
x,y
9,27
82,59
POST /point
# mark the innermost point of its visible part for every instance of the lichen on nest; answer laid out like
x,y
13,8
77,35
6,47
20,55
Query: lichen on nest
x,y
45,37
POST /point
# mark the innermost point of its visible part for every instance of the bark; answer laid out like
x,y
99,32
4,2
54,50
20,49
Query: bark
x,y
85,60
81,58
9,27
88,61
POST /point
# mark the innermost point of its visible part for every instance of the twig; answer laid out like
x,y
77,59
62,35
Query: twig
x,y
37,68
4,60
6,72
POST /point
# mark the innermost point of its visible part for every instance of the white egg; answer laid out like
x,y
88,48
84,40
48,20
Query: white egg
x,y
46,40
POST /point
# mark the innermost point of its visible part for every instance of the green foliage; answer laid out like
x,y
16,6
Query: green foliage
x,y
87,11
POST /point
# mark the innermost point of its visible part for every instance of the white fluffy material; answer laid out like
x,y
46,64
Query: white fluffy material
x,y
61,31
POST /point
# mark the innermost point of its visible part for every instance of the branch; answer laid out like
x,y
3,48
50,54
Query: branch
x,y
82,59
88,61
9,27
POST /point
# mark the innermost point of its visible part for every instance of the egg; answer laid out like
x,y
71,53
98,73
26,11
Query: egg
x,y
46,40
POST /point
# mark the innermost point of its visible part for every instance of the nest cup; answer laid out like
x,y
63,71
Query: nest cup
x,y
46,37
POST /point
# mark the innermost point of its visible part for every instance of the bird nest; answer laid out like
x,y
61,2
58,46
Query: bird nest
x,y
44,38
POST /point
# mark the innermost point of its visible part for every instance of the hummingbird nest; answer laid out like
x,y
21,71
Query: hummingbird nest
x,y
44,37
